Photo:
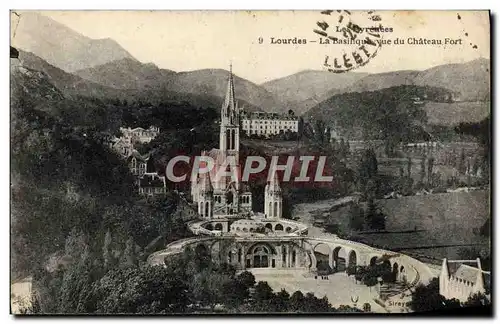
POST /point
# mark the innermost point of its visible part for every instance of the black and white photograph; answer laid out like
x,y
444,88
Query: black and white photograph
x,y
239,162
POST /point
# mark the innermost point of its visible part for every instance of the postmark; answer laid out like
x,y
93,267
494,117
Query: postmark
x,y
351,38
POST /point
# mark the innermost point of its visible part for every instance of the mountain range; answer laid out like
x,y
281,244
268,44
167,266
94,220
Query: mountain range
x,y
131,74
77,64
61,46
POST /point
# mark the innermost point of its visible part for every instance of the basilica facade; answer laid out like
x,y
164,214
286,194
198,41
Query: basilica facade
x,y
221,195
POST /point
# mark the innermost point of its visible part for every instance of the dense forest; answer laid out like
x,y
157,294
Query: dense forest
x,y
69,187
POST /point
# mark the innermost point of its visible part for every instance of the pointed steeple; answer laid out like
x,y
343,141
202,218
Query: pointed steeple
x,y
445,273
229,106
274,184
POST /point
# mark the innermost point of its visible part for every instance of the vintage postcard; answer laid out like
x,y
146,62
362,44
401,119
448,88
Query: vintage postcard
x,y
242,162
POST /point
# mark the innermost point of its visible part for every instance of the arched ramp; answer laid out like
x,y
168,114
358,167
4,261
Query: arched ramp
x,y
323,252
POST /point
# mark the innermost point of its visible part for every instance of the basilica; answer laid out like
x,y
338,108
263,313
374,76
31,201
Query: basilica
x,y
227,229
225,197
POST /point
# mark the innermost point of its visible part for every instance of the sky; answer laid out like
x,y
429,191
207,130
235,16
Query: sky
x,y
191,40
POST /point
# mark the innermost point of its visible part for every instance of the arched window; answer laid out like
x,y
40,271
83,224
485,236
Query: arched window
x,y
275,210
218,227
233,139
228,139
207,209
278,227
229,198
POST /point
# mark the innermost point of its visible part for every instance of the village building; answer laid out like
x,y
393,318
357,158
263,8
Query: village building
x,y
126,143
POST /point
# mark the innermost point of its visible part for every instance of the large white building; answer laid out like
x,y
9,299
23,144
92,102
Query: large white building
x,y
267,124
224,196
459,280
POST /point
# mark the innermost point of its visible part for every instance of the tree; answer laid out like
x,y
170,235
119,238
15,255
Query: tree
x,y
427,298
107,254
280,302
130,257
76,287
319,132
351,270
430,165
356,218
246,279
368,173
461,163
206,288
375,219
297,301
422,169
476,300
148,290
262,296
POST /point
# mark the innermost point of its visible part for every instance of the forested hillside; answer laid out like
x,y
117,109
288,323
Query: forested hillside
x,y
394,114
71,194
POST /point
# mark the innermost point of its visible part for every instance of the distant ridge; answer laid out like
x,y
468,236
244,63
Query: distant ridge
x,y
469,82
131,74
63,47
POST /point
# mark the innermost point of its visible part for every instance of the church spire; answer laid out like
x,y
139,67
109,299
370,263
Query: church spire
x,y
274,183
229,108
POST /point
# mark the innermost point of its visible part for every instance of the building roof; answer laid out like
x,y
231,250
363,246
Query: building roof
x,y
467,273
245,187
135,154
458,269
152,180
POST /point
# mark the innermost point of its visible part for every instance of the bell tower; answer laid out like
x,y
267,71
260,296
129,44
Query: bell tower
x,y
273,201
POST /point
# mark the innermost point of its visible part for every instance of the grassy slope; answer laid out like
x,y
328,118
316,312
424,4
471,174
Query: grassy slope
x,y
453,113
